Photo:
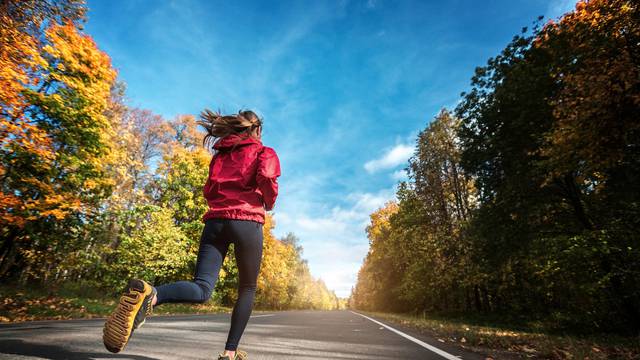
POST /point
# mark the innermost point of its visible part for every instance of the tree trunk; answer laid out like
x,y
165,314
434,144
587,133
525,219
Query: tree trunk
x,y
7,252
572,193
478,302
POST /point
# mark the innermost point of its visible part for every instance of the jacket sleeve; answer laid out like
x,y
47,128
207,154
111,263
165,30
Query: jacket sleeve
x,y
267,176
207,184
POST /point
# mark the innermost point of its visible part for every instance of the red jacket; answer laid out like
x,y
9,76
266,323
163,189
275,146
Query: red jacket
x,y
242,180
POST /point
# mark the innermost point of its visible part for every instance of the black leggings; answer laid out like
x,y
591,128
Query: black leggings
x,y
216,237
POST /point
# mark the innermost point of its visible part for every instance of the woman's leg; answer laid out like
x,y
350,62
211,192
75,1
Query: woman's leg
x,y
247,239
213,248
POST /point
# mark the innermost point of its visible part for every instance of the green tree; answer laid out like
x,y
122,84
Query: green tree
x,y
556,213
155,249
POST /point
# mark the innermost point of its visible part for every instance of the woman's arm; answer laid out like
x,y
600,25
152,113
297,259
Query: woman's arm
x,y
207,184
267,176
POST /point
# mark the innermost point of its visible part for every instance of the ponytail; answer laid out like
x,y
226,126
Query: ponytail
x,y
218,126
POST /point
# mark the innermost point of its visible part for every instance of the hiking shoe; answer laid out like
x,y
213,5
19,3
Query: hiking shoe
x,y
134,306
240,355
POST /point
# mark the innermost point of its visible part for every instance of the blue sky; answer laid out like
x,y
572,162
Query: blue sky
x,y
343,87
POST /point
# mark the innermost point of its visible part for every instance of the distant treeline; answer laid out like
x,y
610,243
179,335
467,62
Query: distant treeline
x,y
524,202
95,192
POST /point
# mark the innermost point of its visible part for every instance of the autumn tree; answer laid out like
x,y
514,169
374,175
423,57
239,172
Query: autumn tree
x,y
276,270
23,26
22,32
419,254
591,152
56,170
379,275
180,174
443,200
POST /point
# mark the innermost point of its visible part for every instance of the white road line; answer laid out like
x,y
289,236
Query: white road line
x,y
442,353
262,315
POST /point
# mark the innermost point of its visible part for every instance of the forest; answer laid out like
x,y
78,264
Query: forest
x,y
523,201
93,191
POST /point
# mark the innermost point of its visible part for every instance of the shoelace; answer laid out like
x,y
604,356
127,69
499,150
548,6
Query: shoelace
x,y
149,309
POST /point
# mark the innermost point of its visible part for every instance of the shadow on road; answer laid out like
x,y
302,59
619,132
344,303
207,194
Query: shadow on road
x,y
19,347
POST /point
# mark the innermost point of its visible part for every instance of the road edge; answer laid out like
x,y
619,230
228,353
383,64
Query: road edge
x,y
431,348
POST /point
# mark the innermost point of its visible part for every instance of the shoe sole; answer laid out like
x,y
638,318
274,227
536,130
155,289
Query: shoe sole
x,y
120,325
240,355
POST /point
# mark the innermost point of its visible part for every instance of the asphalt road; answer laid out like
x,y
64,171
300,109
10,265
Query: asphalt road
x,y
279,335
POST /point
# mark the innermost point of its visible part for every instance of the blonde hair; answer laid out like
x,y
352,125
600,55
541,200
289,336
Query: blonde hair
x,y
245,123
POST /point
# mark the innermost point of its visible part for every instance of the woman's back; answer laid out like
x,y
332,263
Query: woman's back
x,y
242,179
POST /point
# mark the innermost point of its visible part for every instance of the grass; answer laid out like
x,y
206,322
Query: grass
x,y
28,304
508,341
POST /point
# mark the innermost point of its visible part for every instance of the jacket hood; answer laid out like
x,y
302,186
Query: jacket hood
x,y
230,141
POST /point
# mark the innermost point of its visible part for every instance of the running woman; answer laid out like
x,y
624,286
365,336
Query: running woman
x,y
241,185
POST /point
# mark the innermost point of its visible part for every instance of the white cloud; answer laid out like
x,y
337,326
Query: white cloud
x,y
399,175
366,203
395,156
320,224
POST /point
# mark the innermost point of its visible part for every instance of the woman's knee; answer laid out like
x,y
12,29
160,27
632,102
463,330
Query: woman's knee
x,y
247,287
206,292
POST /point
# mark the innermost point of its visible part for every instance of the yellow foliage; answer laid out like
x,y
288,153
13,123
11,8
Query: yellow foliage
x,y
592,130
19,59
277,269
72,60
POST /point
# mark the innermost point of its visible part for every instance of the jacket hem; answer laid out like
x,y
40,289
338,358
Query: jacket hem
x,y
233,215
